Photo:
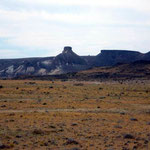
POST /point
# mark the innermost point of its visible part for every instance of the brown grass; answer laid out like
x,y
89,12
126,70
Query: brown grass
x,y
46,115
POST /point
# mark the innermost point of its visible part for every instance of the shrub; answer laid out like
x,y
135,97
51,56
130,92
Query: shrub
x,y
1,86
38,131
78,84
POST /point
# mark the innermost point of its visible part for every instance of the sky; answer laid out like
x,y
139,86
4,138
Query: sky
x,y
39,28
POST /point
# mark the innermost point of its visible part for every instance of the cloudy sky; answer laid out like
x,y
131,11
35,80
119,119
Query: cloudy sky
x,y
30,28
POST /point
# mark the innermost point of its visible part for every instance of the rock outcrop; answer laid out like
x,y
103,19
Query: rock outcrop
x,y
67,61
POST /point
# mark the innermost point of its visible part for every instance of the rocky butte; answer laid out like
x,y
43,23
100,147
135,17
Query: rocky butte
x,y
65,62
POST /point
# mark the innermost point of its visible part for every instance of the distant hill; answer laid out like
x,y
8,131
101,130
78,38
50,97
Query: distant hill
x,y
135,70
122,71
67,62
112,57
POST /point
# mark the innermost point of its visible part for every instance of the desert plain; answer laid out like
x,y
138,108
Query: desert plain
x,y
73,115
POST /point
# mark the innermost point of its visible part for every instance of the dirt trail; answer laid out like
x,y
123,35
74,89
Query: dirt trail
x,y
82,110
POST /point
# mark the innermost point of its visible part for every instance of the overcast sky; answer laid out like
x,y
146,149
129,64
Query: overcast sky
x,y
31,28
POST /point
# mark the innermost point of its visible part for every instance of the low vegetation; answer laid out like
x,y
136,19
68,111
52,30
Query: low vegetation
x,y
71,115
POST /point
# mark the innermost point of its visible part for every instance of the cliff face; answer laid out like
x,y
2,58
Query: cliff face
x,y
28,66
66,62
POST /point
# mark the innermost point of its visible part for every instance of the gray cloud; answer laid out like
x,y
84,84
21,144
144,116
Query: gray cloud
x,y
46,26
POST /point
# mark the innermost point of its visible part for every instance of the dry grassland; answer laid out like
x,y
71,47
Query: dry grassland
x,y
74,116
